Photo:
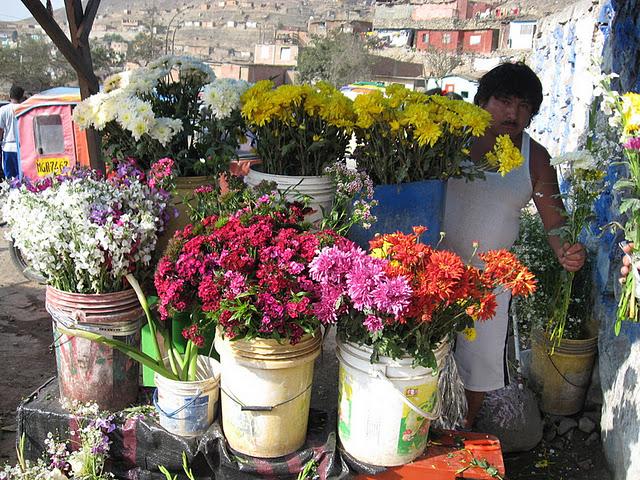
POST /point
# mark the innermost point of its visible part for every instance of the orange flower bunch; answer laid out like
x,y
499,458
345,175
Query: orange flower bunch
x,y
448,295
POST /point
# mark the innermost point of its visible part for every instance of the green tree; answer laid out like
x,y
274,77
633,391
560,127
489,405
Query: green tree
x,y
339,58
35,64
106,61
144,48
439,63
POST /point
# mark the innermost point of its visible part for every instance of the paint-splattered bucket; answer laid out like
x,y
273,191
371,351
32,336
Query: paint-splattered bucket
x,y
385,408
90,371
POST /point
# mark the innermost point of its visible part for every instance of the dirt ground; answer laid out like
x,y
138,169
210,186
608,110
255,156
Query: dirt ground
x,y
27,361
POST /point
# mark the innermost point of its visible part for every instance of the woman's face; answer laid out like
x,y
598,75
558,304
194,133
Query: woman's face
x,y
511,114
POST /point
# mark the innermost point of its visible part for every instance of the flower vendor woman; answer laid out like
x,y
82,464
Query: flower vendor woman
x,y
485,213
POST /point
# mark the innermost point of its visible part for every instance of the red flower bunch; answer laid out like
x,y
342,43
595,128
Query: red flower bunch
x,y
448,295
247,273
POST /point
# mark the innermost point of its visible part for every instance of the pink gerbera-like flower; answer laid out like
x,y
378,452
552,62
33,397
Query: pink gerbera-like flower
x,y
373,323
633,144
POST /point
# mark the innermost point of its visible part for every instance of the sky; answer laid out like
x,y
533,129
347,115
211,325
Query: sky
x,y
15,10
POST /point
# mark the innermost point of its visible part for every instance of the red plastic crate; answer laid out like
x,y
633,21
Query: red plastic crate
x,y
446,454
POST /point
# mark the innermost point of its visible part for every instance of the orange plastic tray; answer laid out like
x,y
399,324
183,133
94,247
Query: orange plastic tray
x,y
447,454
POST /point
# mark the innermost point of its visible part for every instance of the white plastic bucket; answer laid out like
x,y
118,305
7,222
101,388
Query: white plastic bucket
x,y
188,408
266,393
319,188
385,409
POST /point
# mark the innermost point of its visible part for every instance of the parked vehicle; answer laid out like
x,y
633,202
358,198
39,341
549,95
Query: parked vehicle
x,y
48,141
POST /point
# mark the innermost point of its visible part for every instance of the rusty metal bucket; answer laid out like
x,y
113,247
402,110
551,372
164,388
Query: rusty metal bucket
x,y
89,371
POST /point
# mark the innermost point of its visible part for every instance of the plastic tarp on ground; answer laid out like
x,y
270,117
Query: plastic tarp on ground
x,y
140,445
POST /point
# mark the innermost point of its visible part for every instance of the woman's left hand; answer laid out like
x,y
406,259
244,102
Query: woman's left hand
x,y
572,257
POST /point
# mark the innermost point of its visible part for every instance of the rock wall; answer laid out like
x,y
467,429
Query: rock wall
x,y
619,356
562,56
609,33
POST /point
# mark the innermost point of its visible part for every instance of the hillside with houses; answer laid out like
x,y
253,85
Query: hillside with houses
x,y
262,39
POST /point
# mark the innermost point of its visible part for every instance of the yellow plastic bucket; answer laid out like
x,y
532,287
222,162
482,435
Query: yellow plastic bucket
x,y
385,409
266,393
564,376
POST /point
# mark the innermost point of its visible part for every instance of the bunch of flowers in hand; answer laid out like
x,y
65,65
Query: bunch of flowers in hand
x,y
629,118
406,298
405,136
299,129
84,232
81,457
247,273
174,106
623,122
584,178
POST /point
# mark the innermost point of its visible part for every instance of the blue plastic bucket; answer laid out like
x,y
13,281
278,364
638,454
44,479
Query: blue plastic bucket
x,y
401,207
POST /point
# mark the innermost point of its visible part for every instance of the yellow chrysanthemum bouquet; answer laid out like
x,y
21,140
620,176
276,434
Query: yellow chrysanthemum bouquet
x,y
406,136
298,129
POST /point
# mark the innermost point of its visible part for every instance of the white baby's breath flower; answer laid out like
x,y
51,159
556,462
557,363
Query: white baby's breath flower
x,y
582,159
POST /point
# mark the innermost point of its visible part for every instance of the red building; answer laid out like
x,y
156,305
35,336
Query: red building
x,y
478,41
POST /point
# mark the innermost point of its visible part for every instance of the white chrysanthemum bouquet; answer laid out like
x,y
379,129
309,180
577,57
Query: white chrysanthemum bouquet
x,y
172,107
85,233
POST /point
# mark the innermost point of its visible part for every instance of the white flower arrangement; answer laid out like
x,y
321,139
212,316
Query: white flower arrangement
x,y
82,458
222,96
173,107
85,233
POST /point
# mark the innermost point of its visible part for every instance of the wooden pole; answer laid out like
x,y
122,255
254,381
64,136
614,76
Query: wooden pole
x,y
77,52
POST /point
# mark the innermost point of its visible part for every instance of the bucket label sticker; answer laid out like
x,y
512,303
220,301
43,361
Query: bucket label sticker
x,y
413,427
345,393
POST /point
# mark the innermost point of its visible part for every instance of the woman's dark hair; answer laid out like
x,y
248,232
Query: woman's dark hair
x,y
510,79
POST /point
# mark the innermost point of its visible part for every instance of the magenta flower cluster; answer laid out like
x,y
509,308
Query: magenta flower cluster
x,y
248,273
351,281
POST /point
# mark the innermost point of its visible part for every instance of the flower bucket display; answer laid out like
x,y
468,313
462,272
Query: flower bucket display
x,y
188,408
299,130
393,429
248,274
320,190
411,144
401,207
266,393
563,376
88,371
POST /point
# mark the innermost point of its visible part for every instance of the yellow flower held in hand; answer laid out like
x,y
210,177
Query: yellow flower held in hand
x,y
505,155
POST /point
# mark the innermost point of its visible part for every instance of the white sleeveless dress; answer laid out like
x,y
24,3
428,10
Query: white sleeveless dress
x,y
486,211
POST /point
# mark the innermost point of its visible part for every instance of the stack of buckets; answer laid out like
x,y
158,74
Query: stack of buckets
x,y
385,408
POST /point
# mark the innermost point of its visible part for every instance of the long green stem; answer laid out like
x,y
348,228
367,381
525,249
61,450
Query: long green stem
x,y
193,363
145,306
